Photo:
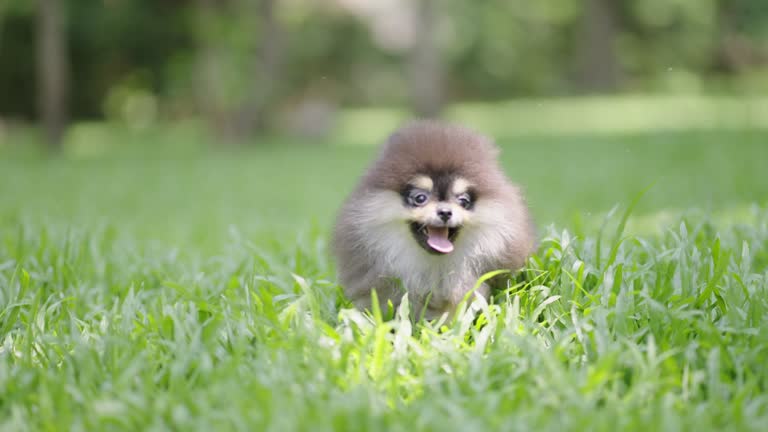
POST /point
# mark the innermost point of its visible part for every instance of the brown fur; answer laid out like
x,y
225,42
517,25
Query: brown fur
x,y
374,249
433,146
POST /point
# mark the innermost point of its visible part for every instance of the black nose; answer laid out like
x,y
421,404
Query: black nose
x,y
444,214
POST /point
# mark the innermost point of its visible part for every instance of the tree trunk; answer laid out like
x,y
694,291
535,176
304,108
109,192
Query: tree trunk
x,y
52,64
425,65
597,67
235,121
209,89
2,21
254,112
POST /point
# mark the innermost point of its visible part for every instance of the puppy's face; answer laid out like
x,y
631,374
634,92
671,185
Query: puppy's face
x,y
436,208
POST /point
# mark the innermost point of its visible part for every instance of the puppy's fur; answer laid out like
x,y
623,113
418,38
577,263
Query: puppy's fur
x,y
433,213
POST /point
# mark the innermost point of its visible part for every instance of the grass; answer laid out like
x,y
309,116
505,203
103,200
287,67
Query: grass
x,y
616,114
195,292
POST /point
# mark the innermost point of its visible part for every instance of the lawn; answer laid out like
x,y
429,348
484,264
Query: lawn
x,y
194,291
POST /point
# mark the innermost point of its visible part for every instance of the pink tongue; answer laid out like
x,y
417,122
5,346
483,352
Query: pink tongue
x,y
437,239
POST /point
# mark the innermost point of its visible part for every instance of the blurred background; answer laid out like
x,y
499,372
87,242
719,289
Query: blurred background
x,y
592,100
315,68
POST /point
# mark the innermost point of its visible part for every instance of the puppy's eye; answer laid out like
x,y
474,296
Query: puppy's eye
x,y
419,198
465,201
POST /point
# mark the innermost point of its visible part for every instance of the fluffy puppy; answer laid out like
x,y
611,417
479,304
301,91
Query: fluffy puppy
x,y
433,213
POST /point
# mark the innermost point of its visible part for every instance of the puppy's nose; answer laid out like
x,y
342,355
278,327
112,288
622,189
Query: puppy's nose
x,y
444,214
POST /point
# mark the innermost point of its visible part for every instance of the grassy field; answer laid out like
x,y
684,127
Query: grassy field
x,y
195,292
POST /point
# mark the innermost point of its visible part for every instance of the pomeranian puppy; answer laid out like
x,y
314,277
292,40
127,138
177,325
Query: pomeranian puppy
x,y
433,213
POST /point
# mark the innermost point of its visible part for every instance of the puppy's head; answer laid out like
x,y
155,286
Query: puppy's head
x,y
439,183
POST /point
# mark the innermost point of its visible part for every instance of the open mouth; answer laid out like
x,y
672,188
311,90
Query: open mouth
x,y
436,240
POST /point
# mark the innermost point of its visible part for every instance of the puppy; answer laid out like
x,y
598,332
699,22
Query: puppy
x,y
433,213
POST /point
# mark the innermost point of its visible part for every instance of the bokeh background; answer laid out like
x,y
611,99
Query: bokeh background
x,y
170,171
262,113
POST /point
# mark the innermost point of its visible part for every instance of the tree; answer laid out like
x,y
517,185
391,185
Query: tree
x,y
260,86
239,70
426,78
597,66
210,67
252,116
52,67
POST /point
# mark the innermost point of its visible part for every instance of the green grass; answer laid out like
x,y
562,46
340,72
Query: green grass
x,y
626,113
195,292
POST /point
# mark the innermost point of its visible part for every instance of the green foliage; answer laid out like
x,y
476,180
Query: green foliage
x,y
492,49
197,293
